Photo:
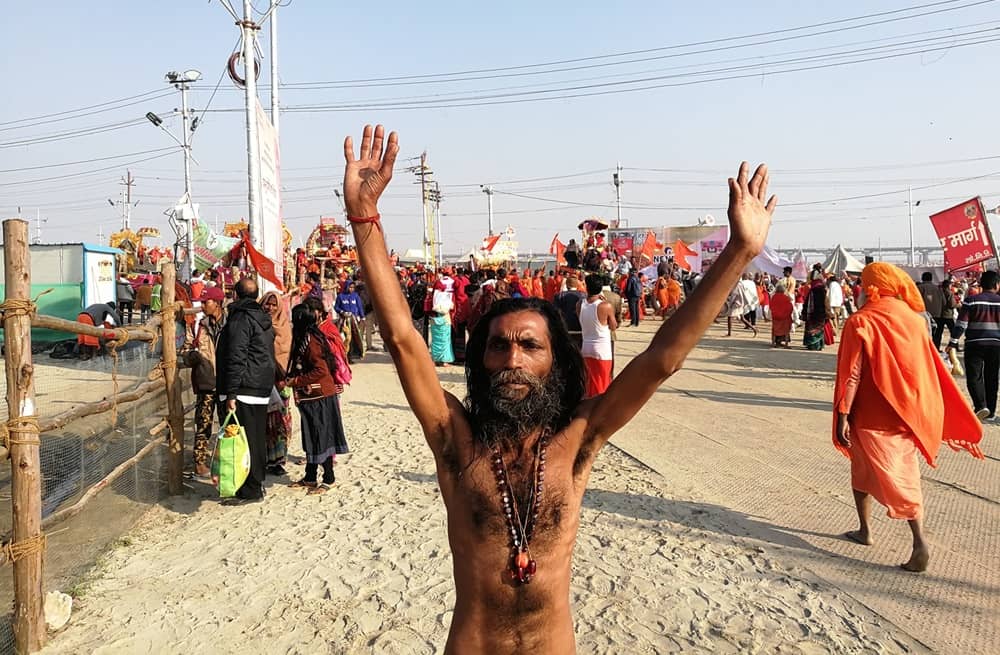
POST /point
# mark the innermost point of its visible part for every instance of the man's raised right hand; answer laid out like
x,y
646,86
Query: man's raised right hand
x,y
366,177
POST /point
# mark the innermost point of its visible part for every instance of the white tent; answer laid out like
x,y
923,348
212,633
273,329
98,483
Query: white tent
x,y
770,262
841,261
800,269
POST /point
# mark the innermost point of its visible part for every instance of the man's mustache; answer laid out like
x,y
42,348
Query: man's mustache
x,y
515,376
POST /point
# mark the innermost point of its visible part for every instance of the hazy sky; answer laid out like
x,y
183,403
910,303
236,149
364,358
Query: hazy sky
x,y
865,129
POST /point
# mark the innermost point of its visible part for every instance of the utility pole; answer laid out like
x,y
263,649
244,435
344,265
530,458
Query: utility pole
x,y
126,200
617,177
488,190
38,226
274,65
424,173
909,206
128,182
434,195
250,29
181,82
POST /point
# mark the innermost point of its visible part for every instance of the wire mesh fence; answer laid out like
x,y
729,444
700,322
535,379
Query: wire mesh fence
x,y
81,453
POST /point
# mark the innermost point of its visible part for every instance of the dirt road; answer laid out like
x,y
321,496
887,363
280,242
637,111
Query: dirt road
x,y
748,429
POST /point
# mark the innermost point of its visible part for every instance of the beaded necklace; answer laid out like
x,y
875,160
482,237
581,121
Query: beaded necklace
x,y
521,566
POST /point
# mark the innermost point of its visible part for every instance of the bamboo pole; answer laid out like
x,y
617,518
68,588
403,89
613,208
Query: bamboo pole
x,y
59,420
26,489
109,334
175,404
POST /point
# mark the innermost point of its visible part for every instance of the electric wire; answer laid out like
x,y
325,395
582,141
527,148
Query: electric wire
x,y
934,7
91,172
589,90
72,111
73,134
85,161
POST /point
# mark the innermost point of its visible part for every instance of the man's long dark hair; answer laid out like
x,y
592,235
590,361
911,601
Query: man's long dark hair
x,y
567,363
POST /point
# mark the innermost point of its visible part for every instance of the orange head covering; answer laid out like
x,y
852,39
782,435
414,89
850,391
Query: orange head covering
x,y
881,280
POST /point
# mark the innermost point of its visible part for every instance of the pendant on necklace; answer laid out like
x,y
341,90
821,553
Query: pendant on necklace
x,y
522,568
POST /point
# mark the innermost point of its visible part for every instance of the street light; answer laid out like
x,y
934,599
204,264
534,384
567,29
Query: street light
x,y
181,82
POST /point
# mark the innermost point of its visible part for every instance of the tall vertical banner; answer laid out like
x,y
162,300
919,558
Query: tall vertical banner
x,y
272,238
964,235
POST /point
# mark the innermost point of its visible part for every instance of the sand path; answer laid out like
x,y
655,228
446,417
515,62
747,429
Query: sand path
x,y
662,564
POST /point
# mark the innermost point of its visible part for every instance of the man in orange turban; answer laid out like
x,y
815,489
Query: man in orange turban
x,y
894,400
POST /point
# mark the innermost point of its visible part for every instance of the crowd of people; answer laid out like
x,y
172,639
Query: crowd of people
x,y
249,356
538,348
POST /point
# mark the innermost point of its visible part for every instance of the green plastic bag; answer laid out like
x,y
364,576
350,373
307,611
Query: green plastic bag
x,y
231,460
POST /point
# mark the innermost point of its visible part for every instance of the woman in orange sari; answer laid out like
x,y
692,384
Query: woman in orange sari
x,y
662,296
674,293
893,402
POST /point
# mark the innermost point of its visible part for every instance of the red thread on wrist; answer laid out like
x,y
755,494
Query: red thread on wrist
x,y
367,219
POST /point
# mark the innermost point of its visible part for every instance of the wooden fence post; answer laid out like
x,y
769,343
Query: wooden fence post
x,y
175,403
26,488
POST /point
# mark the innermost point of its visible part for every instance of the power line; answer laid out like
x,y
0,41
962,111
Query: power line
x,y
586,90
602,89
889,193
72,111
936,8
531,179
91,172
949,33
85,161
73,134
818,171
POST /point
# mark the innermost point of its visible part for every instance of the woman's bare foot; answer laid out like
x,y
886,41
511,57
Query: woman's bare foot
x,y
859,537
918,560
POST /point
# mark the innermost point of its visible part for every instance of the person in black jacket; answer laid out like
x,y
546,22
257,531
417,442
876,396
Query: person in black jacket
x,y
633,294
245,375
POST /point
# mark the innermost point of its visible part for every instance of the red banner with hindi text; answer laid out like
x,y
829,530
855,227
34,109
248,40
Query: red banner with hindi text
x,y
964,235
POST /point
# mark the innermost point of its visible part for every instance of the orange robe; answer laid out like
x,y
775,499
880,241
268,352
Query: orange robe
x,y
552,287
662,296
537,287
673,293
901,402
781,315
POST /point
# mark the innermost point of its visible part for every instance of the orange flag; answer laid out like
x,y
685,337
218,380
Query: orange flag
x,y
560,253
648,248
263,265
552,246
490,242
681,252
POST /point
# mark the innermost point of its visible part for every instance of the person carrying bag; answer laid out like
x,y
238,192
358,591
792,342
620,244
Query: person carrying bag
x,y
231,459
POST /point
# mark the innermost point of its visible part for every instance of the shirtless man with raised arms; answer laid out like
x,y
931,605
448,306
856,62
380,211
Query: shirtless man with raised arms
x,y
514,458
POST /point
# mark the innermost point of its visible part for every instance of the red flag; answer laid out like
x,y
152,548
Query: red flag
x,y
263,265
560,253
964,235
552,246
490,242
681,252
648,248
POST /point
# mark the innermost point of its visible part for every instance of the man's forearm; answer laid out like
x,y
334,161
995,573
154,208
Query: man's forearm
x,y
678,335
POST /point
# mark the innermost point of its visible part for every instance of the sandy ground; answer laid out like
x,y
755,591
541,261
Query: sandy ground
x,y
661,564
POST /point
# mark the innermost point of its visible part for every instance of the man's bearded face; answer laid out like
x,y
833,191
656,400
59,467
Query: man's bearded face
x,y
521,389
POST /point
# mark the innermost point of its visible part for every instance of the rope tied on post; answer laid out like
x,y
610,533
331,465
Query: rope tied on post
x,y
11,551
121,338
25,425
21,307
